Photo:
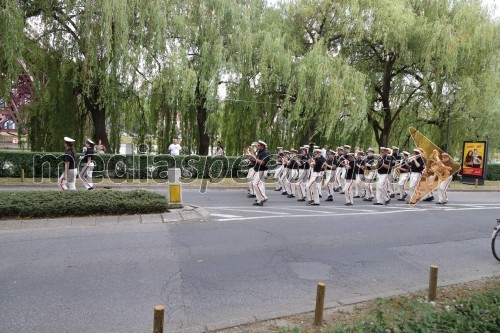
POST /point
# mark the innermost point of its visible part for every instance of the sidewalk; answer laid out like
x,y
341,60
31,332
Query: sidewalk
x,y
186,214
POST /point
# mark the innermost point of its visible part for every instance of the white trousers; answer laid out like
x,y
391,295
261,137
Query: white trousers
x,y
251,173
290,181
301,183
282,178
349,189
359,186
400,186
312,186
414,181
86,175
441,189
382,190
277,175
68,183
258,185
330,182
368,181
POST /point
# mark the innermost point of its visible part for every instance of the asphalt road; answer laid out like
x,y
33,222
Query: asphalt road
x,y
244,263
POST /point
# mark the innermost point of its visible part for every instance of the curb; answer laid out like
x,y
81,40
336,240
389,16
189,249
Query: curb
x,y
186,214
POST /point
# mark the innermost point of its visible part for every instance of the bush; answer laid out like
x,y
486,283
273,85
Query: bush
x,y
50,165
493,172
43,204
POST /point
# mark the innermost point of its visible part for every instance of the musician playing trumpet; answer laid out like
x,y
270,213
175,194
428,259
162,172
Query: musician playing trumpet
x,y
330,166
316,177
350,167
304,173
383,171
359,185
403,168
417,167
370,172
446,165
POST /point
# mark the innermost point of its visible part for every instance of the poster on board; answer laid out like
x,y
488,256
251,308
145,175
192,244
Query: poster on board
x,y
474,159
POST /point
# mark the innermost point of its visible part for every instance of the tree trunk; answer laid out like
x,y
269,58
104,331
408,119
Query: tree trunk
x,y
201,119
204,139
99,121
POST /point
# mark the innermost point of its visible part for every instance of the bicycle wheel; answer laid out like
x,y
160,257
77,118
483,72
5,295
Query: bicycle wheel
x,y
495,245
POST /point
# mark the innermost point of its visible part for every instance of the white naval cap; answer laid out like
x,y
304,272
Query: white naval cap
x,y
406,153
317,150
384,148
370,150
68,139
394,148
90,141
347,146
260,142
416,150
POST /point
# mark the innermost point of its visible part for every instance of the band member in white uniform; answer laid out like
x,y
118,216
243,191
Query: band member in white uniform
x,y
87,167
304,173
67,179
259,176
383,197
250,174
369,174
359,185
404,176
292,174
447,164
343,170
316,177
392,183
279,168
350,166
417,166
284,171
338,170
330,168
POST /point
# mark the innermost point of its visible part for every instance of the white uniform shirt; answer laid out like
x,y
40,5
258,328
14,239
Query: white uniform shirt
x,y
174,149
323,152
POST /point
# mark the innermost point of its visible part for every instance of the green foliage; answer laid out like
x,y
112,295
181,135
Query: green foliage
x,y
493,172
43,204
119,167
476,314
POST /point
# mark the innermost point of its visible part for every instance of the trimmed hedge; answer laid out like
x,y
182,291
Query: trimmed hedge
x,y
44,204
50,165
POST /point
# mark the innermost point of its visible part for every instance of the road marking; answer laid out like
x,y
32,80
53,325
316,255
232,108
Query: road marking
x,y
252,211
356,213
224,215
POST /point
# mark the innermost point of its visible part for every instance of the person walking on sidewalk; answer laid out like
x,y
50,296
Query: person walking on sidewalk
x,y
67,179
88,165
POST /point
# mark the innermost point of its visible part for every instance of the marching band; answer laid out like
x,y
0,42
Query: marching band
x,y
367,176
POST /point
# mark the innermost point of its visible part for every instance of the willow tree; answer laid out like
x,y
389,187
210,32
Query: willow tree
x,y
103,45
193,64
415,52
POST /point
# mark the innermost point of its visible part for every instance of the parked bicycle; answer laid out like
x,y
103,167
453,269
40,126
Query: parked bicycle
x,y
495,245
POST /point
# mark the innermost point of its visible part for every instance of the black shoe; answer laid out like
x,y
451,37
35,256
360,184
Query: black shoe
x,y
251,196
401,199
356,197
314,204
258,204
90,188
378,204
310,202
366,199
264,200
290,196
278,189
392,195
431,198
341,192
301,199
387,202
330,198
321,195
439,203
369,199
284,193
404,196
335,190
348,204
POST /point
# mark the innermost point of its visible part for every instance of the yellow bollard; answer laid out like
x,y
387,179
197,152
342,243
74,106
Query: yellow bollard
x,y
320,303
158,319
433,276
